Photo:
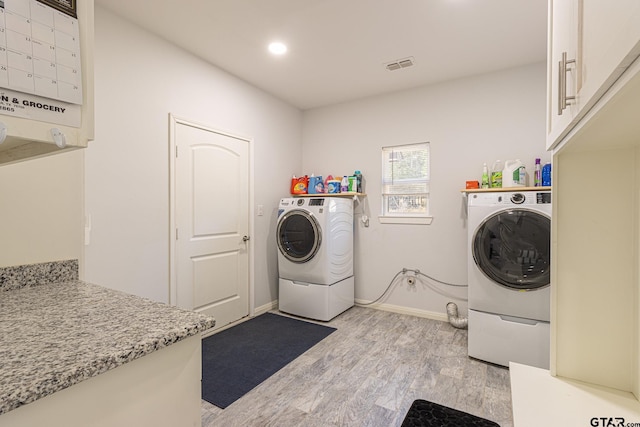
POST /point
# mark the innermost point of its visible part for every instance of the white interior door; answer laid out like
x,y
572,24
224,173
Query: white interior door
x,y
211,205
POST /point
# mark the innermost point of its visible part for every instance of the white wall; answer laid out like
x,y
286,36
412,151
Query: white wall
x,y
41,214
140,79
468,122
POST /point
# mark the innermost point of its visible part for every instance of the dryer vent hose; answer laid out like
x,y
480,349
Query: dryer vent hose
x,y
454,320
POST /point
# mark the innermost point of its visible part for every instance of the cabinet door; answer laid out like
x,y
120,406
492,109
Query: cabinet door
x,y
563,39
604,39
611,41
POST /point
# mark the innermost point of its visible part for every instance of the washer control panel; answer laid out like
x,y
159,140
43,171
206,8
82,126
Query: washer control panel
x,y
525,198
517,198
543,197
510,198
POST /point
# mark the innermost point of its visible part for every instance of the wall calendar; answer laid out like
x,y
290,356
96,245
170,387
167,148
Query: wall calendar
x,y
40,50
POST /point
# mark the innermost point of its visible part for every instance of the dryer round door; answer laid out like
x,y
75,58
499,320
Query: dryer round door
x,y
299,235
513,248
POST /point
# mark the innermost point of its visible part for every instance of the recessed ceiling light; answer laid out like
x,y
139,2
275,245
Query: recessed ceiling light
x,y
278,48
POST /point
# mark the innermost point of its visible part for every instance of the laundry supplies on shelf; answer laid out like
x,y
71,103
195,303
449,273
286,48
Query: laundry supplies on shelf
x,y
360,183
496,174
514,174
333,186
344,184
537,174
299,185
546,175
485,176
316,184
312,185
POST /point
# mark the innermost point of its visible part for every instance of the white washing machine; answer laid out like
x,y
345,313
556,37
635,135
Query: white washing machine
x,y
509,256
315,256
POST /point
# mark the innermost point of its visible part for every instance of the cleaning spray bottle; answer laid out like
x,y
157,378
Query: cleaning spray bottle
x,y
496,174
485,176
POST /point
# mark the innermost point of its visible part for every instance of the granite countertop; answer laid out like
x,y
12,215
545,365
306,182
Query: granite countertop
x,y
55,335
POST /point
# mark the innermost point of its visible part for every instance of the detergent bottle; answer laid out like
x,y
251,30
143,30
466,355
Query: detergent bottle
x,y
344,184
514,174
546,175
299,184
316,185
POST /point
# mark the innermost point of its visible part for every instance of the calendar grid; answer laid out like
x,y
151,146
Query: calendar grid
x,y
40,51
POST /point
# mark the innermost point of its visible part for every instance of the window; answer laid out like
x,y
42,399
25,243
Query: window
x,y
405,184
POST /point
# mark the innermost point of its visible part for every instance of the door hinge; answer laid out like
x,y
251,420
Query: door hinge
x,y
176,234
176,151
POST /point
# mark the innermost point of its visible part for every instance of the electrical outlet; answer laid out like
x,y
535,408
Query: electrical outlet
x,y
260,210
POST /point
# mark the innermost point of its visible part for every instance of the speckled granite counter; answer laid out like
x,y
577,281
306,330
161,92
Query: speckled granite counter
x,y
38,274
55,335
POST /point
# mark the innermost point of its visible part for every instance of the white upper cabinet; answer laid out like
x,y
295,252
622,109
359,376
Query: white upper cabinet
x,y
36,123
598,41
610,42
562,72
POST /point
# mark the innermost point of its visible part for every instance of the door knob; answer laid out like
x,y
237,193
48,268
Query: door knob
x,y
245,238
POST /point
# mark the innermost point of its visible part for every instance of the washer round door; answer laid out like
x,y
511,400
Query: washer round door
x,y
299,235
513,249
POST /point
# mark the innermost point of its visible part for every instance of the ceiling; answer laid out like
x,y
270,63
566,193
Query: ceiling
x,y
337,49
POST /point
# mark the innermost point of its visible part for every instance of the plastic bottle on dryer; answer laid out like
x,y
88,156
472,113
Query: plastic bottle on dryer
x,y
537,174
344,185
316,184
514,174
485,176
546,175
496,174
358,176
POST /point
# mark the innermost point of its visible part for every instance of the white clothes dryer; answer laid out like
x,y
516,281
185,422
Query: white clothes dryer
x,y
315,256
509,256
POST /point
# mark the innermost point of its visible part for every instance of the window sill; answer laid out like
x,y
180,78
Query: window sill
x,y
420,220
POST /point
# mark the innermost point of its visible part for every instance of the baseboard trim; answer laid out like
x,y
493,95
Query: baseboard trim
x,y
405,310
273,305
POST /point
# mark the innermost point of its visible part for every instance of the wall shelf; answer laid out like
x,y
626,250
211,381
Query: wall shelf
x,y
510,189
353,195
347,194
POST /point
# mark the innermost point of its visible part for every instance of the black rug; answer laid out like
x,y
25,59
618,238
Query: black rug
x,y
236,360
429,414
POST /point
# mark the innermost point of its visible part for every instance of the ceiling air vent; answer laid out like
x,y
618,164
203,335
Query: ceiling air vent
x,y
400,63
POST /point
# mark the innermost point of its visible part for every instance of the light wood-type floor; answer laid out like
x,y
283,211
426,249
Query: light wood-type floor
x,y
368,372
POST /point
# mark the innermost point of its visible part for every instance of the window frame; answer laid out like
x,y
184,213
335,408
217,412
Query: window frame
x,y
387,217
